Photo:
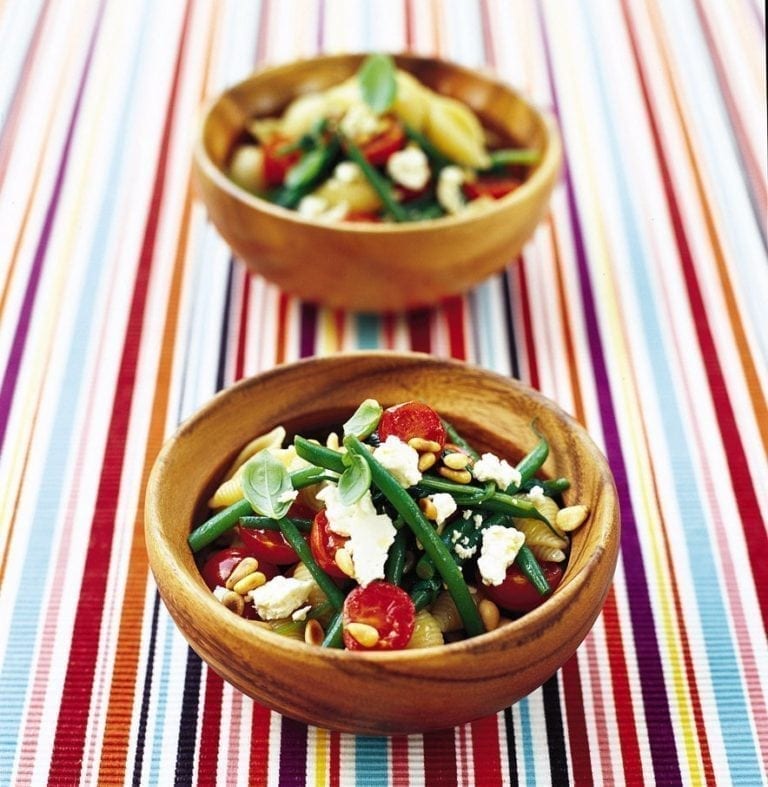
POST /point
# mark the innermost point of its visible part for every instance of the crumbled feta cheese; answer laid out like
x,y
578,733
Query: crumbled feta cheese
x,y
280,596
359,122
301,613
444,504
318,208
536,494
220,592
370,534
409,167
490,468
463,551
499,550
347,172
478,520
466,513
449,193
400,459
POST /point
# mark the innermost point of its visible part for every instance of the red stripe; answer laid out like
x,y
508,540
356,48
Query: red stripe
x,y
576,728
453,308
242,336
419,330
67,757
259,759
208,748
398,748
334,757
486,751
755,533
530,348
439,759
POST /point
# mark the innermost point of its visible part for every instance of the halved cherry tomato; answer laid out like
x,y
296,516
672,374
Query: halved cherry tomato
x,y
378,149
267,545
276,162
411,419
362,216
219,566
324,544
493,187
386,607
517,594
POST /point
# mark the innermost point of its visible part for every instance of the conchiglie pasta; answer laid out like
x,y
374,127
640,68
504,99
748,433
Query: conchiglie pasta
x,y
270,439
358,195
538,533
454,129
547,554
426,631
444,611
411,104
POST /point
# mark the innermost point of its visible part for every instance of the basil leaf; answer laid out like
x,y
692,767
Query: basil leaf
x,y
267,486
364,420
378,83
355,481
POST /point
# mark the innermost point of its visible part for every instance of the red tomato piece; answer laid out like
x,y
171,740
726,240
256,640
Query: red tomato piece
x,y
411,419
362,216
267,545
276,162
517,594
378,149
324,544
386,607
220,565
493,187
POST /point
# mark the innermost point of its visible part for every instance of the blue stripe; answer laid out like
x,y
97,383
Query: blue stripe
x,y
525,741
729,695
22,637
367,330
371,761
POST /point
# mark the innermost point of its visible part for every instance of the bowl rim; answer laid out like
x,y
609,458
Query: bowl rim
x,y
543,172
161,551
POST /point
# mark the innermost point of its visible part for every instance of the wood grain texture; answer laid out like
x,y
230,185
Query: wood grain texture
x,y
362,266
381,693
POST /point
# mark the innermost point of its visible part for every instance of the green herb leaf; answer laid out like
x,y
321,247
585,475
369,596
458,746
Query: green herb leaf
x,y
355,481
364,420
378,82
267,486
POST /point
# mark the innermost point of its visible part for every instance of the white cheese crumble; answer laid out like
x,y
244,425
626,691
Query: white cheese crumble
x,y
318,208
370,534
463,551
449,193
498,552
409,167
359,122
400,459
444,504
490,468
280,596
301,613
219,591
536,494
347,172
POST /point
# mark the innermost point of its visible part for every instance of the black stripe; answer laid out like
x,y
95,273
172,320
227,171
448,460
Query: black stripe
x,y
222,367
558,759
190,704
514,363
509,728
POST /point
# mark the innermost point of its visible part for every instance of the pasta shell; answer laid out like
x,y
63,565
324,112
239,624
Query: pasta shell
x,y
445,613
454,129
537,533
411,104
426,631
357,195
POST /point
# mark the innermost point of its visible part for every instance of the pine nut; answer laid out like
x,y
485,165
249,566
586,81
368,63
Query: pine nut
x,y
366,635
457,476
245,567
421,445
233,602
313,633
426,460
428,508
343,560
456,461
489,614
249,583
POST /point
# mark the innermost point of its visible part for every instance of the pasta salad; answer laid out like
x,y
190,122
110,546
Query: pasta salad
x,y
395,533
380,146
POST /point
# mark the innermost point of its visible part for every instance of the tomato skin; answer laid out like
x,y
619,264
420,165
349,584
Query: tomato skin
x,y
517,594
277,164
378,149
267,545
219,566
324,543
363,216
493,187
386,607
411,419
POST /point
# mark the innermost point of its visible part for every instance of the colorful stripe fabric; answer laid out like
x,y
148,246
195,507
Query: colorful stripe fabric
x,y
639,306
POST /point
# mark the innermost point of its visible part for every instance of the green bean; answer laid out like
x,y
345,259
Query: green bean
x,y
379,183
425,591
529,565
267,523
319,455
302,178
228,517
333,638
530,464
455,531
302,549
551,487
508,157
405,505
395,565
218,524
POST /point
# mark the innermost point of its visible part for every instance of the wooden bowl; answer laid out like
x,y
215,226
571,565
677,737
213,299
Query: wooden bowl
x,y
366,266
383,692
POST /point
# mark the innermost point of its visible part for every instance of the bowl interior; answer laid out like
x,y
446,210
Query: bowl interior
x,y
502,665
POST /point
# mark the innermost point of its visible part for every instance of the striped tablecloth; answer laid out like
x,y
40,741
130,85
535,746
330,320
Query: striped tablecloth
x,y
640,306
